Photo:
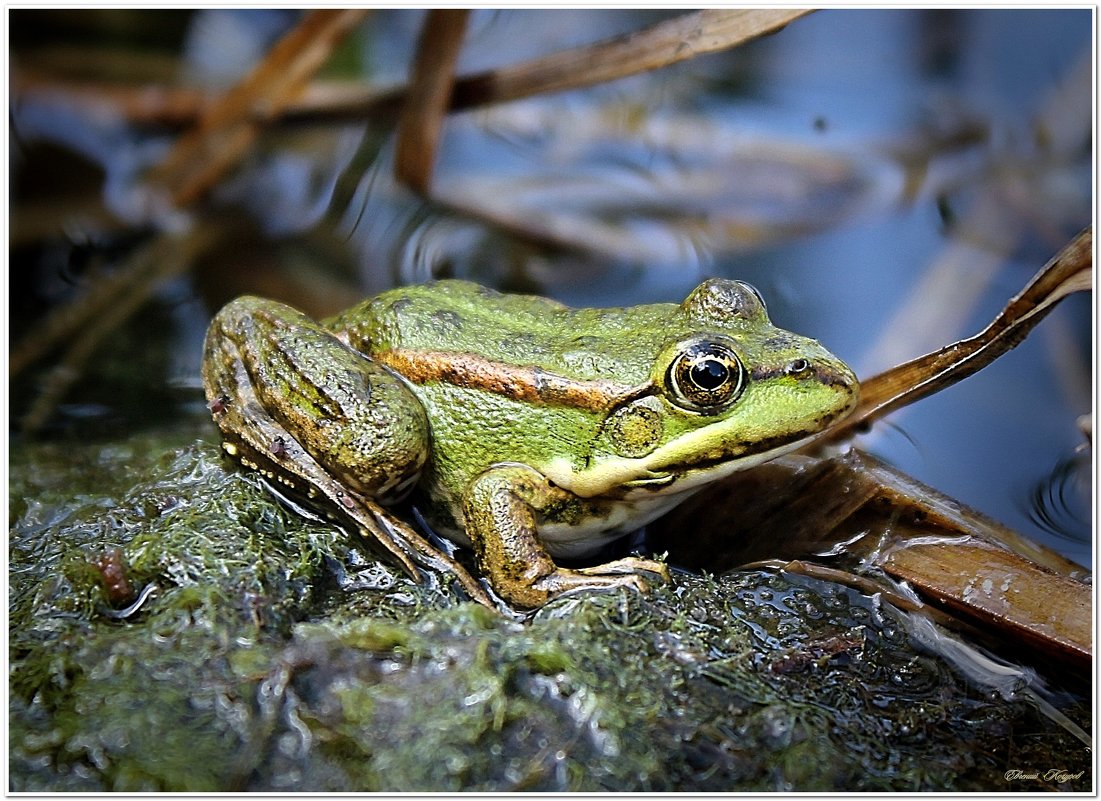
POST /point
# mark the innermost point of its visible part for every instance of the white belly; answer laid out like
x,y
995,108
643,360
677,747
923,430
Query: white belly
x,y
623,516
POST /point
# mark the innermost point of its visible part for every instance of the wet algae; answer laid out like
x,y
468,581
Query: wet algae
x,y
173,628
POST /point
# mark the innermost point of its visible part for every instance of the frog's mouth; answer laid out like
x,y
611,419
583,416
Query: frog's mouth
x,y
626,475
697,457
706,470
695,475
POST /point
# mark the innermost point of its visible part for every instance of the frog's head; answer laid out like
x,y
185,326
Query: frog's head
x,y
727,391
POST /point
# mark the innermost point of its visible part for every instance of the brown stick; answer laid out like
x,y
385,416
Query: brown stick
x,y
660,45
226,129
102,295
429,93
1001,590
110,303
666,43
1069,271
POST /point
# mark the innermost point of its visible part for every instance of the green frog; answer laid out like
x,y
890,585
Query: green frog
x,y
529,430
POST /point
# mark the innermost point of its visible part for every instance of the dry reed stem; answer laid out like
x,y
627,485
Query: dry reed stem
x,y
421,122
102,295
227,129
660,45
1069,271
96,314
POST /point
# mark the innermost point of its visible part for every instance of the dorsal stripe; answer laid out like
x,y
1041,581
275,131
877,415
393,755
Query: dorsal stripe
x,y
527,383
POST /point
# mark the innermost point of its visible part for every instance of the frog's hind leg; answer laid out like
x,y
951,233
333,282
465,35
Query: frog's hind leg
x,y
358,420
298,406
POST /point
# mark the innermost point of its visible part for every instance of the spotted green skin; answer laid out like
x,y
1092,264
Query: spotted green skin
x,y
528,429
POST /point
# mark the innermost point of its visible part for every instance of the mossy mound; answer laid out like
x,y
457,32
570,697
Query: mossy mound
x,y
277,654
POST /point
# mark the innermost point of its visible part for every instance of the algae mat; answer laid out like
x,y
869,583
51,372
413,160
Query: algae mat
x,y
172,628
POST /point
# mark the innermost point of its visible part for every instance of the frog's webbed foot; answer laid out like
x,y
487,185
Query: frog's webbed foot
x,y
411,549
377,525
630,564
631,572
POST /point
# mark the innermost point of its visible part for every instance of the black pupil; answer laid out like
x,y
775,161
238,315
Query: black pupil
x,y
709,374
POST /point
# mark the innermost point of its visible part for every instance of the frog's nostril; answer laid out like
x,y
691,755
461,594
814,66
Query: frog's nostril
x,y
797,367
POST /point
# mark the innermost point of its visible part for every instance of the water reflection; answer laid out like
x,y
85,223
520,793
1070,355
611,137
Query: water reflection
x,y
1059,502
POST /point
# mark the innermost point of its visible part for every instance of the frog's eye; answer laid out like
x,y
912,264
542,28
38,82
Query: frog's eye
x,y
706,377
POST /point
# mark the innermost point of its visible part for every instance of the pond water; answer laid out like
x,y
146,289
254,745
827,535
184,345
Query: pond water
x,y
887,178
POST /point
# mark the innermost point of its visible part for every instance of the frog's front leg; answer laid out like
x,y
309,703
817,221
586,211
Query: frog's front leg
x,y
500,511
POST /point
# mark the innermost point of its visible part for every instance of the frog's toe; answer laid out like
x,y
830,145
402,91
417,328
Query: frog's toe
x,y
569,582
630,565
634,573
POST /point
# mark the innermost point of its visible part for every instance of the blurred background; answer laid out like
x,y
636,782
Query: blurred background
x,y
887,179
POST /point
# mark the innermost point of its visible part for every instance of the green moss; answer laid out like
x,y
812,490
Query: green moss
x,y
278,655
366,634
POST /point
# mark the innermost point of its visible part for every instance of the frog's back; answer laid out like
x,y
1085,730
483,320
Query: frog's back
x,y
453,316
